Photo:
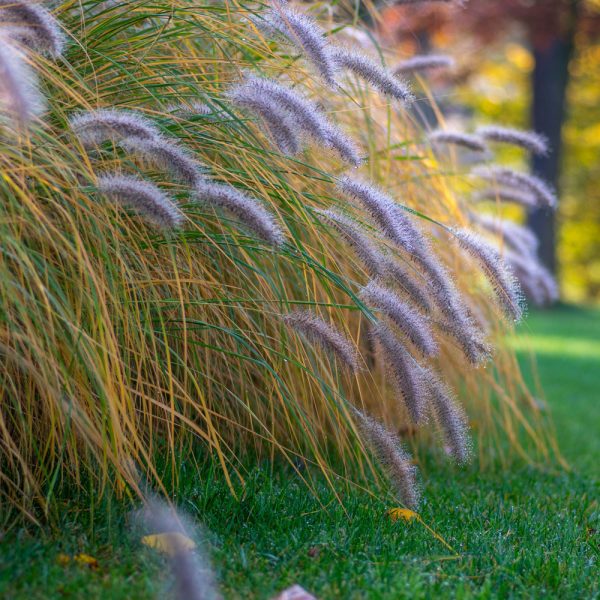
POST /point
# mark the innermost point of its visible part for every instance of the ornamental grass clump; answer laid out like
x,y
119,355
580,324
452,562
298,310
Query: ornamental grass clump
x,y
243,332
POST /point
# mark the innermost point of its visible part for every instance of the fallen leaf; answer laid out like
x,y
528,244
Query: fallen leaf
x,y
87,560
404,514
314,551
169,543
296,592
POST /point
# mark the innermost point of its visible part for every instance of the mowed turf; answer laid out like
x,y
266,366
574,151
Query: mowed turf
x,y
518,533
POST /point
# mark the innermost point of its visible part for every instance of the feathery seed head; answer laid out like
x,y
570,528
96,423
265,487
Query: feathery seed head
x,y
520,239
450,417
97,126
457,138
166,154
32,25
394,459
304,33
278,122
530,140
404,371
503,281
317,331
469,338
304,113
143,197
407,284
394,223
505,194
424,62
191,569
247,209
412,324
367,69
20,98
373,259
521,181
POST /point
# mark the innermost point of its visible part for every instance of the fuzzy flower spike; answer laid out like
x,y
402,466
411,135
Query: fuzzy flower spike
x,y
19,95
393,458
278,122
412,323
392,220
543,193
304,33
529,140
503,282
193,576
305,115
367,69
143,197
424,62
97,126
457,138
32,25
317,331
404,371
247,209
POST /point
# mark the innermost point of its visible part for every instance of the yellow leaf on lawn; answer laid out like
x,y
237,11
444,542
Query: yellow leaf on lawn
x,y
170,543
87,560
404,514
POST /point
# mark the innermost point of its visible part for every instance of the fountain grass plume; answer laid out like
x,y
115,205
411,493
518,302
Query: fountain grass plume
x,y
543,193
305,34
536,280
344,146
192,572
400,276
377,263
457,138
530,140
166,154
32,25
450,417
318,332
424,62
412,323
143,197
248,210
519,238
97,126
470,339
20,98
371,257
305,114
404,371
394,223
506,194
499,274
381,79
395,461
279,125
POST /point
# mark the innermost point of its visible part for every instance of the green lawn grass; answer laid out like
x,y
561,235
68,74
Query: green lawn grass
x,y
520,533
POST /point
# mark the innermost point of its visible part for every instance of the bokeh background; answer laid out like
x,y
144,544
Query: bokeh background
x,y
529,64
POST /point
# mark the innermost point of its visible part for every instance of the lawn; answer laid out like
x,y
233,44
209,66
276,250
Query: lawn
x,y
520,533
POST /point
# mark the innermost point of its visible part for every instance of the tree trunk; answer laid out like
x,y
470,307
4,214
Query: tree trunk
x,y
549,82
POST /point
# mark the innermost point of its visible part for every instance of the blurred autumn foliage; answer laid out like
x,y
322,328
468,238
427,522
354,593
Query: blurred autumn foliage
x,y
530,64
